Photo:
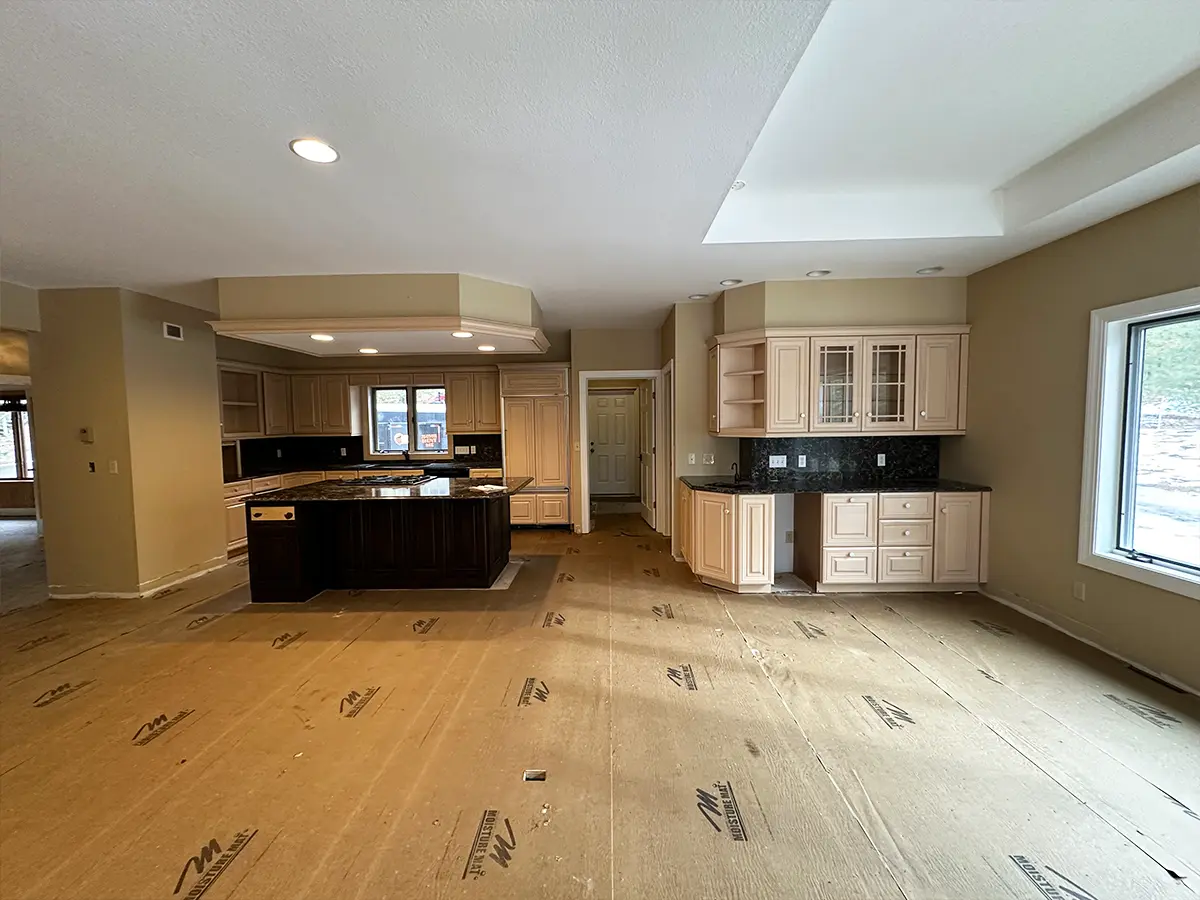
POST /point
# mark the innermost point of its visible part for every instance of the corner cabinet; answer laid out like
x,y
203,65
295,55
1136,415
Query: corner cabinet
x,y
732,540
785,382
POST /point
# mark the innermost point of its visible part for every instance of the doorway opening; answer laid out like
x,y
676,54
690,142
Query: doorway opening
x,y
619,430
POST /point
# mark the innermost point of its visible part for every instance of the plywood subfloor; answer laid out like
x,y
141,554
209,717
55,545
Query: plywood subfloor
x,y
695,745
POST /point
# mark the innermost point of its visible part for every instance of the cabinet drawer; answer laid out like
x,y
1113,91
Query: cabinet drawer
x,y
908,564
273,514
237,488
522,509
901,533
906,506
843,565
485,473
270,483
552,509
296,479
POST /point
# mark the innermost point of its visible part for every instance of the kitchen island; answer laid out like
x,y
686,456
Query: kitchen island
x,y
378,533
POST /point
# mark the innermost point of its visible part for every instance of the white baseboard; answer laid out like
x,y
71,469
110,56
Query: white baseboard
x,y
1024,610
18,512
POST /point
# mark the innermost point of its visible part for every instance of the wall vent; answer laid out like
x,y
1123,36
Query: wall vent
x,y
174,332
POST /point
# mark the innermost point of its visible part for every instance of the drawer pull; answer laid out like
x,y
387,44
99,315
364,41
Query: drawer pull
x,y
908,506
907,533
850,554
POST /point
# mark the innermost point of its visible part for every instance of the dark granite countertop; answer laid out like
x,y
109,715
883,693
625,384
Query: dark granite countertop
x,y
826,483
423,465
438,489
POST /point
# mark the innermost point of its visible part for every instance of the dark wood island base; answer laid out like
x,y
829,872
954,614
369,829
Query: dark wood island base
x,y
349,536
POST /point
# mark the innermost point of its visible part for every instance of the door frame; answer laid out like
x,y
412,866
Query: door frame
x,y
654,376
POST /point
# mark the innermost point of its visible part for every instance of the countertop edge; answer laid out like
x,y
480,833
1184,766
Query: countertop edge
x,y
941,485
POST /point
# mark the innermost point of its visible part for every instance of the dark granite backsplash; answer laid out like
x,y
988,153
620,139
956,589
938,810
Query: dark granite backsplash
x,y
908,456
487,448
263,455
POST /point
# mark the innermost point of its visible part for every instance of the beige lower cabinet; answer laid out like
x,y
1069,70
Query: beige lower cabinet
x,y
485,473
957,538
683,516
849,520
552,509
235,525
733,540
898,565
522,509
296,479
540,508
842,565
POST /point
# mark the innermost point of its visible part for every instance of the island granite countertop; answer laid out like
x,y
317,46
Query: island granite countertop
x,y
827,483
438,489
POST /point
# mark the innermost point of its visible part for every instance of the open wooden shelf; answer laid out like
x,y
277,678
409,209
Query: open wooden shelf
x,y
747,372
751,400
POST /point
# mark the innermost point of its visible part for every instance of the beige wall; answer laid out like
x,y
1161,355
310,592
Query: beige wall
x,y
18,307
865,301
78,380
1029,340
741,308
694,324
328,296
666,338
175,439
495,301
14,353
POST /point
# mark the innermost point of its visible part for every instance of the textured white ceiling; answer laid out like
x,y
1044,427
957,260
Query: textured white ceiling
x,y
577,147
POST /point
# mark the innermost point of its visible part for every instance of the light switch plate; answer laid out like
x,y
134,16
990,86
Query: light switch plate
x,y
462,451
691,459
343,451
777,462
802,461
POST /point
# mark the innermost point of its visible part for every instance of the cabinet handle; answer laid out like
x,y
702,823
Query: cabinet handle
x,y
907,533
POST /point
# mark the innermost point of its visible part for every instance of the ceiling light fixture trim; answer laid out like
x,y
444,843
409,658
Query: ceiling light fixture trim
x,y
324,338
486,348
314,150
367,350
462,334
817,273
730,282
931,270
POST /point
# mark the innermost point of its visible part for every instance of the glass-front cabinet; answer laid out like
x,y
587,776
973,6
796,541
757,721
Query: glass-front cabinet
x,y
836,374
888,400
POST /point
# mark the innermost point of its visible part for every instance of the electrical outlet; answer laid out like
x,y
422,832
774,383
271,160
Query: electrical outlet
x,y
802,461
789,537
881,459
709,459
1079,591
777,462
91,467
691,459
112,467
472,449
342,451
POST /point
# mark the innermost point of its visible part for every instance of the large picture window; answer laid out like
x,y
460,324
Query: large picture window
x,y
1140,509
16,448
1160,465
409,420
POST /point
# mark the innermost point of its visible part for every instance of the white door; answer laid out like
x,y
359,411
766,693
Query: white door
x,y
646,451
612,444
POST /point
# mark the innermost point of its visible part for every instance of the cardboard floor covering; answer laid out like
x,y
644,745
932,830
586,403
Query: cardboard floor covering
x,y
678,743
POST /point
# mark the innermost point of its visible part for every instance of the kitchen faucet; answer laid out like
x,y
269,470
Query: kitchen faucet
x,y
734,467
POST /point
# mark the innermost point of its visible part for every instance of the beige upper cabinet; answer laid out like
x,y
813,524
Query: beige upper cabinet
x,y
519,440
887,403
836,375
956,537
938,359
335,404
306,404
787,385
487,401
277,403
460,402
241,403
550,438
714,391
533,381
713,535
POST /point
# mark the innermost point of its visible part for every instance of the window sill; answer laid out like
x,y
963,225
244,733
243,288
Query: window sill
x,y
1146,573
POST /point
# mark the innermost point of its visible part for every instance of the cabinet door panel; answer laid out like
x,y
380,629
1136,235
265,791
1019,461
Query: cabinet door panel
x,y
552,509
714,535
937,382
835,380
277,403
522,509
956,538
899,533
849,519
888,383
840,565
755,539
335,404
787,385
235,523
487,401
519,446
550,441
306,404
911,565
460,402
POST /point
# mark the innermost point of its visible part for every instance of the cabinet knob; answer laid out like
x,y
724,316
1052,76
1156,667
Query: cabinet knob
x,y
907,533
907,506
944,510
849,554
906,553
922,412
856,415
727,512
802,415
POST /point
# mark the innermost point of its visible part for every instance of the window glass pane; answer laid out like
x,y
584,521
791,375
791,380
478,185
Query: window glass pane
x,y
1162,459
389,425
8,446
26,443
431,420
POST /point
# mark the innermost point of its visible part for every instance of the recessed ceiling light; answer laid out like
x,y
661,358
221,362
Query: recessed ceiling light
x,y
486,348
367,350
737,185
313,150
321,337
461,334
730,282
817,273
697,296
930,270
